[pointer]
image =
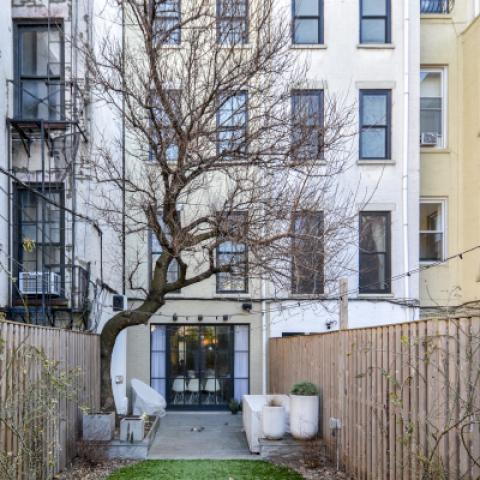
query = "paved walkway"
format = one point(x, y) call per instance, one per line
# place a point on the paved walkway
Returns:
point(189, 435)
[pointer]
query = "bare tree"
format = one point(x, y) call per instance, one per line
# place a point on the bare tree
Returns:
point(198, 173)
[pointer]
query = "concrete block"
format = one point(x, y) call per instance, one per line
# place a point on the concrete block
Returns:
point(132, 429)
point(98, 426)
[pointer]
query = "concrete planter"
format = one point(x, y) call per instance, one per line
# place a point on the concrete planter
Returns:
point(132, 429)
point(98, 427)
point(304, 416)
point(273, 422)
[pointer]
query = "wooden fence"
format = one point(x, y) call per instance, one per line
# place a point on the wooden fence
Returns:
point(34, 363)
point(408, 396)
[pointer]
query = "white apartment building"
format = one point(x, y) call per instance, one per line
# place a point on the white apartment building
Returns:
point(367, 52)
point(54, 248)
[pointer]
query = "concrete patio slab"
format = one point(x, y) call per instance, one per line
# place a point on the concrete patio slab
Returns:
point(200, 435)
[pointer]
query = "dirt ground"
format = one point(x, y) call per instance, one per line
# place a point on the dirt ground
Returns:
point(313, 465)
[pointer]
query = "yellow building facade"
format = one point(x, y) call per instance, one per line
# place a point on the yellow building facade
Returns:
point(450, 151)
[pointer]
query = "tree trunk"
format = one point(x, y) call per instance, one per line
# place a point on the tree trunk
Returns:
point(109, 334)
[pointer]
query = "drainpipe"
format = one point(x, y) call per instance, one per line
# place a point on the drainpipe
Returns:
point(406, 122)
point(265, 338)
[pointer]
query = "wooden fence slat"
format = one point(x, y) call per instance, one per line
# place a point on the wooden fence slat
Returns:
point(70, 349)
point(404, 384)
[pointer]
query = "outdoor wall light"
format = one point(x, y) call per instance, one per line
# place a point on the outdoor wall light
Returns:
point(200, 318)
point(225, 318)
point(175, 317)
point(247, 307)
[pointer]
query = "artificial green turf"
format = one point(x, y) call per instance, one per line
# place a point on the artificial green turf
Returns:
point(204, 470)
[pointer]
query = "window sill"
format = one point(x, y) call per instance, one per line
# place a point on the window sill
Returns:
point(435, 150)
point(376, 162)
point(437, 263)
point(235, 296)
point(308, 46)
point(376, 46)
point(375, 296)
point(306, 296)
point(436, 16)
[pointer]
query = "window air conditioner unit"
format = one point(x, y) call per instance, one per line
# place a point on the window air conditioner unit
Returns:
point(119, 303)
point(36, 283)
point(428, 139)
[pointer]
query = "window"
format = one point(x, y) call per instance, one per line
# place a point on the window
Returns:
point(232, 22)
point(40, 238)
point(308, 253)
point(233, 252)
point(167, 22)
point(164, 135)
point(308, 123)
point(432, 228)
point(375, 21)
point(232, 126)
point(173, 271)
point(39, 71)
point(432, 108)
point(374, 261)
point(375, 124)
point(435, 6)
point(308, 22)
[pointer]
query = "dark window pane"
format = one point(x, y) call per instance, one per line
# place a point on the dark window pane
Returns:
point(233, 252)
point(167, 22)
point(308, 253)
point(431, 216)
point(374, 261)
point(373, 143)
point(435, 6)
point(374, 7)
point(306, 31)
point(374, 124)
point(431, 247)
point(374, 110)
point(307, 8)
point(232, 21)
point(373, 30)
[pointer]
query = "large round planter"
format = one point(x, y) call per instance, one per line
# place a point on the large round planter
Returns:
point(273, 422)
point(303, 416)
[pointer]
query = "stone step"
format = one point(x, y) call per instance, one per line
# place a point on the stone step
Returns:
point(287, 445)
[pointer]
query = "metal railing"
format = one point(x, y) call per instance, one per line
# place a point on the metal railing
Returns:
point(436, 6)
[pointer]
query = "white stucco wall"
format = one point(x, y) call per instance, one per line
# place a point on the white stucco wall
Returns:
point(342, 67)
point(6, 73)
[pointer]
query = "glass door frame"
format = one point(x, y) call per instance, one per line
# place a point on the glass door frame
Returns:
point(168, 364)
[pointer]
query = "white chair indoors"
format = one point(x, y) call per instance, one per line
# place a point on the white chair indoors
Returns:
point(178, 388)
point(212, 387)
point(193, 388)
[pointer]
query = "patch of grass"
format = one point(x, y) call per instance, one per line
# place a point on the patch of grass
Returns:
point(204, 470)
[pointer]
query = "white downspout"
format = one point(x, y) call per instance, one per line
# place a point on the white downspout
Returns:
point(265, 338)
point(406, 124)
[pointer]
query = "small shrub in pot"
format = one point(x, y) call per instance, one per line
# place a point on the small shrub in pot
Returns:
point(304, 404)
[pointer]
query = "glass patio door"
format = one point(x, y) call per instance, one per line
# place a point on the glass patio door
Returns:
point(200, 366)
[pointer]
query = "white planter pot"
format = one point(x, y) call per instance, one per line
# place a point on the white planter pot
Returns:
point(303, 416)
point(273, 422)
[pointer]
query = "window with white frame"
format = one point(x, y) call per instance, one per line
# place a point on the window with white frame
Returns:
point(432, 107)
point(432, 230)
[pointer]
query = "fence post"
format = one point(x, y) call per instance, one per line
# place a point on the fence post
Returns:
point(342, 371)
point(343, 287)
